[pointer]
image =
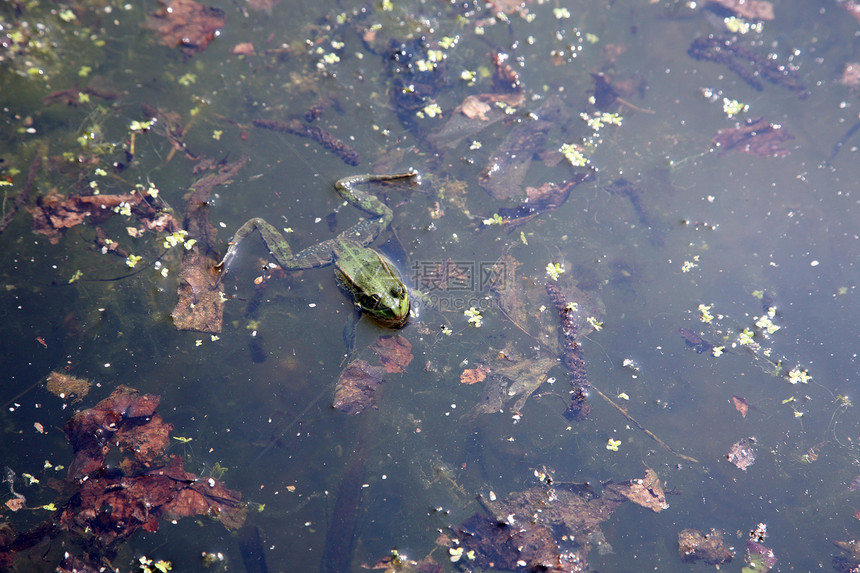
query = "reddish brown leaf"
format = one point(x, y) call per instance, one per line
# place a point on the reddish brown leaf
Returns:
point(113, 508)
point(474, 375)
point(15, 504)
point(741, 405)
point(53, 213)
point(243, 49)
point(201, 302)
point(186, 24)
point(394, 351)
point(124, 419)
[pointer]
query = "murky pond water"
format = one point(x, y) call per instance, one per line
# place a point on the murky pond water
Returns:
point(707, 290)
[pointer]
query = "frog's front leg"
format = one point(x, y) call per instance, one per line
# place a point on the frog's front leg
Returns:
point(274, 240)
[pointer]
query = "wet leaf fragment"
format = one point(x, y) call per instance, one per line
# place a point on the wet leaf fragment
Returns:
point(756, 136)
point(742, 453)
point(201, 295)
point(328, 141)
point(474, 375)
point(357, 386)
point(647, 492)
point(741, 405)
point(394, 352)
point(63, 386)
point(186, 24)
point(693, 545)
point(547, 197)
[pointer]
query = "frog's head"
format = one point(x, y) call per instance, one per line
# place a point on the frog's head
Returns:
point(374, 284)
point(390, 307)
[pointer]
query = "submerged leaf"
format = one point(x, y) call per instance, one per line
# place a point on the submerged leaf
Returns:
point(356, 387)
point(742, 453)
point(741, 405)
point(395, 352)
point(186, 24)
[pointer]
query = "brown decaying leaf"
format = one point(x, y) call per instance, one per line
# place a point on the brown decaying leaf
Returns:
point(547, 528)
point(547, 197)
point(394, 352)
point(756, 137)
point(647, 492)
point(114, 502)
point(201, 302)
point(754, 9)
point(741, 405)
point(53, 213)
point(185, 24)
point(15, 504)
point(125, 419)
point(112, 508)
point(474, 375)
point(356, 387)
point(63, 386)
point(693, 545)
point(742, 453)
point(200, 307)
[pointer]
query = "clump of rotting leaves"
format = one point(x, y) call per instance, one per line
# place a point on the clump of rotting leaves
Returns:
point(108, 502)
point(550, 527)
point(693, 545)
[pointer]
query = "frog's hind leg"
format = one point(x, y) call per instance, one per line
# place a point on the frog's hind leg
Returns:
point(273, 239)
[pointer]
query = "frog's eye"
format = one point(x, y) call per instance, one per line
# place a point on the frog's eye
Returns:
point(397, 291)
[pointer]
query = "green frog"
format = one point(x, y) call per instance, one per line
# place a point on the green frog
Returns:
point(367, 276)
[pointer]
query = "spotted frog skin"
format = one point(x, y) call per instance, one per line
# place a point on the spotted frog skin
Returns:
point(367, 276)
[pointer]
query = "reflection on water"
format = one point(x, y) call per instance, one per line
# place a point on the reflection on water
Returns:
point(707, 290)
